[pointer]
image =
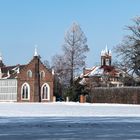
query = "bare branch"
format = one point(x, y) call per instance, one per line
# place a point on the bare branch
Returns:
point(129, 50)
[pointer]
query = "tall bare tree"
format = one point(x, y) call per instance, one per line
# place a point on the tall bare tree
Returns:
point(74, 49)
point(73, 58)
point(129, 50)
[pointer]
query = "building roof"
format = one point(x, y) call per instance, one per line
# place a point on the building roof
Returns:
point(101, 70)
point(10, 72)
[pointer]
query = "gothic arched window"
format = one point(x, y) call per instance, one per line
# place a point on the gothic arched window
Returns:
point(25, 91)
point(45, 92)
point(29, 74)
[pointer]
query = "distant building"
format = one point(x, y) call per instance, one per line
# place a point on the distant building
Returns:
point(32, 82)
point(104, 74)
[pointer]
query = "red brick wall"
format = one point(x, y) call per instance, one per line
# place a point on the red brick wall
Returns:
point(35, 82)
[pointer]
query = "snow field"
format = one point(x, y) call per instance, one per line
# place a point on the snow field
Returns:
point(68, 109)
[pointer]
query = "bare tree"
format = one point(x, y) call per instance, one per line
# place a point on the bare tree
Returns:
point(129, 50)
point(59, 66)
point(74, 49)
point(72, 59)
point(47, 64)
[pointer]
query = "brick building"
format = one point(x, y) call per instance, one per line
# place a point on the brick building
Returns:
point(105, 74)
point(32, 82)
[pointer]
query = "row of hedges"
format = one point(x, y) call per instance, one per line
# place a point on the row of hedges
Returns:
point(123, 95)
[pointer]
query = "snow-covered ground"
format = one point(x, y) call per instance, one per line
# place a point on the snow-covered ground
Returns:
point(67, 109)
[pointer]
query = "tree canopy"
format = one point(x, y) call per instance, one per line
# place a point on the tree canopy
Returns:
point(129, 50)
point(73, 58)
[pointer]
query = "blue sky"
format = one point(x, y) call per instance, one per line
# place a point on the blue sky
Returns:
point(25, 23)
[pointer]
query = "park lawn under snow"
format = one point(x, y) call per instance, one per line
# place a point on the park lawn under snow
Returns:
point(67, 109)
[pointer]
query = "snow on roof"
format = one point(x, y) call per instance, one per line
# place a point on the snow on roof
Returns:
point(10, 72)
point(81, 75)
point(96, 71)
point(83, 81)
point(87, 68)
point(100, 70)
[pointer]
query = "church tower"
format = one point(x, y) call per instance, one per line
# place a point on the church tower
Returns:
point(106, 57)
point(1, 62)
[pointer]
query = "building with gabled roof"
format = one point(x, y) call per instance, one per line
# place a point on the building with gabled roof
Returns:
point(105, 74)
point(32, 82)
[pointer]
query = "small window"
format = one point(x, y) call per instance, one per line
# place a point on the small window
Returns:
point(29, 74)
point(25, 91)
point(42, 74)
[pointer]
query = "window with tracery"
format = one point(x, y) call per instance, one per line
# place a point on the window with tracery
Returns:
point(45, 92)
point(29, 74)
point(25, 91)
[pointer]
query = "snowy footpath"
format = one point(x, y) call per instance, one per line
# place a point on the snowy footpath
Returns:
point(68, 109)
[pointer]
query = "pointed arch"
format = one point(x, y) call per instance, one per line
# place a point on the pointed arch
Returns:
point(29, 74)
point(45, 92)
point(25, 91)
point(42, 74)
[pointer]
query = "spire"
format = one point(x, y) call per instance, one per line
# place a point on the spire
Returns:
point(35, 53)
point(0, 73)
point(102, 53)
point(110, 53)
point(0, 56)
point(1, 62)
point(106, 49)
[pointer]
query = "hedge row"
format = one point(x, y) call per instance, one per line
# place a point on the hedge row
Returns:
point(123, 95)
